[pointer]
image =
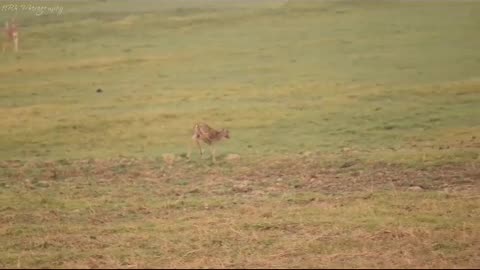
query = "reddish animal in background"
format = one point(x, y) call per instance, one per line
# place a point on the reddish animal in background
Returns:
point(12, 36)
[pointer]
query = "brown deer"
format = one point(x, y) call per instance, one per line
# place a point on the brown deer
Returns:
point(11, 32)
point(204, 133)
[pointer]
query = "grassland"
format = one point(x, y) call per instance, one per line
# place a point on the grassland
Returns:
point(357, 124)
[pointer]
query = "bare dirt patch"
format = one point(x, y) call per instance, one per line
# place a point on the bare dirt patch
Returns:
point(300, 173)
point(289, 212)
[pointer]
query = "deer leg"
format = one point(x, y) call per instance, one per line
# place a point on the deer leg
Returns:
point(213, 153)
point(190, 145)
point(15, 44)
point(200, 147)
point(194, 140)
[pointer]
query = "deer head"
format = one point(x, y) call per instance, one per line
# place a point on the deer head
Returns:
point(225, 133)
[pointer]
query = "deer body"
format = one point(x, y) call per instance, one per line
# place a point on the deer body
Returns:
point(208, 135)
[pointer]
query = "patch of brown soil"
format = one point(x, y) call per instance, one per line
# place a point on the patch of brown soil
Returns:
point(302, 173)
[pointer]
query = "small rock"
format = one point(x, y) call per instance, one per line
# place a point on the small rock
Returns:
point(169, 158)
point(231, 157)
point(43, 184)
point(258, 193)
point(415, 188)
point(271, 189)
point(195, 190)
point(242, 188)
point(347, 164)
point(307, 153)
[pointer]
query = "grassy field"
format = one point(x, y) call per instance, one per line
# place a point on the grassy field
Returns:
point(356, 124)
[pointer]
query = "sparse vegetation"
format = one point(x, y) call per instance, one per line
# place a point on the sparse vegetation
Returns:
point(354, 135)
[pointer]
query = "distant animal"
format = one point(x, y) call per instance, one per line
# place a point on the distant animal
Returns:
point(11, 32)
point(208, 135)
point(99, 90)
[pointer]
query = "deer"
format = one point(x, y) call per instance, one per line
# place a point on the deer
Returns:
point(11, 32)
point(208, 135)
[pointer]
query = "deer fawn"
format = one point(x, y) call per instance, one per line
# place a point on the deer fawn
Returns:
point(11, 32)
point(204, 133)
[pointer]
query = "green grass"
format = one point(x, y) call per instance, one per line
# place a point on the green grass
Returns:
point(283, 77)
point(335, 108)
